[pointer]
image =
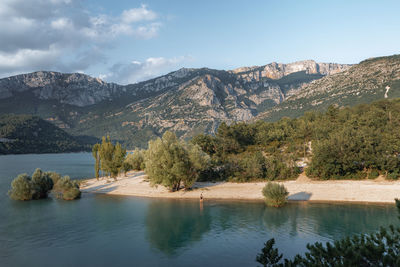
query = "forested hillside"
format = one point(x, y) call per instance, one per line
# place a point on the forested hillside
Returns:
point(358, 142)
point(30, 134)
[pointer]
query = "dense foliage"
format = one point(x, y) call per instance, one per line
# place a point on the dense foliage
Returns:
point(135, 160)
point(358, 142)
point(171, 162)
point(275, 194)
point(377, 249)
point(25, 187)
point(109, 158)
point(30, 134)
point(67, 189)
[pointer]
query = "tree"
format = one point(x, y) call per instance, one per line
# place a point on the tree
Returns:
point(171, 162)
point(118, 158)
point(111, 157)
point(136, 160)
point(96, 155)
point(269, 255)
point(106, 154)
point(207, 143)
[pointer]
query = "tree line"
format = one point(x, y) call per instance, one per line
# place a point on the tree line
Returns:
point(356, 143)
point(168, 161)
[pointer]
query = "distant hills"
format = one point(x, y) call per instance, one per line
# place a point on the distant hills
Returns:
point(192, 101)
point(30, 134)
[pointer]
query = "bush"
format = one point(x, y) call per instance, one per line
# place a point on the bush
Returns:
point(247, 166)
point(279, 168)
point(22, 188)
point(275, 194)
point(39, 185)
point(54, 176)
point(393, 175)
point(71, 194)
point(25, 187)
point(43, 183)
point(373, 174)
point(67, 189)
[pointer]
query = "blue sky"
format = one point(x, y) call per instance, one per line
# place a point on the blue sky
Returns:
point(129, 41)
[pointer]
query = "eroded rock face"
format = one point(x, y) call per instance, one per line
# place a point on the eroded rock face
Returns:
point(278, 70)
point(75, 89)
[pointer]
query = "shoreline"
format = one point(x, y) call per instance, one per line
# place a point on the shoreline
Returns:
point(378, 191)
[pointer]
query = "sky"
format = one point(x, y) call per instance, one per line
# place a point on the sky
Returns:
point(126, 41)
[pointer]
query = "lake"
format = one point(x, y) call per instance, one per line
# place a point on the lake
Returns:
point(100, 230)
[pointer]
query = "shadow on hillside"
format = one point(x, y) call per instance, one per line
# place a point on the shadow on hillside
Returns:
point(300, 196)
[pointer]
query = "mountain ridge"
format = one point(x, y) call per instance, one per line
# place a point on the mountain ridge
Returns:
point(187, 101)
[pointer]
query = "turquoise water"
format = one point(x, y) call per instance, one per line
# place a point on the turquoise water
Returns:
point(102, 230)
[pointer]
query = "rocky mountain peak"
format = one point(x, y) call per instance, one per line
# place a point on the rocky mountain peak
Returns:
point(75, 88)
point(278, 70)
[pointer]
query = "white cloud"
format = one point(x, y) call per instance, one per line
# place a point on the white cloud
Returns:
point(136, 71)
point(38, 34)
point(25, 59)
point(138, 14)
point(61, 24)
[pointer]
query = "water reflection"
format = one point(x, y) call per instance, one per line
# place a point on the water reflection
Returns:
point(333, 221)
point(175, 224)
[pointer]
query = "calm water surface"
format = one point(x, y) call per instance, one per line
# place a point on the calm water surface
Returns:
point(127, 231)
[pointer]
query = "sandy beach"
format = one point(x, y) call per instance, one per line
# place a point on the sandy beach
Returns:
point(302, 189)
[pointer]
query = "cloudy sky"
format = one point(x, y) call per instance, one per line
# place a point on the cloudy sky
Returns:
point(127, 41)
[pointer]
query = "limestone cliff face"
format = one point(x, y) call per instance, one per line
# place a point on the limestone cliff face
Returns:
point(370, 80)
point(278, 70)
point(74, 89)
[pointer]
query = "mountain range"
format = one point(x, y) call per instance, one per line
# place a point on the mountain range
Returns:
point(192, 101)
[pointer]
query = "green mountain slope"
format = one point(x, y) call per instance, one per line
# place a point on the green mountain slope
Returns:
point(31, 134)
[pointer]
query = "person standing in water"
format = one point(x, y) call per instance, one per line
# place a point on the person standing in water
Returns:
point(201, 197)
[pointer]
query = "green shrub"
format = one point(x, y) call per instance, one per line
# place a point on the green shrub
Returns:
point(275, 194)
point(247, 166)
point(67, 189)
point(22, 188)
point(25, 187)
point(126, 167)
point(373, 174)
point(71, 194)
point(135, 160)
point(40, 184)
point(54, 176)
point(43, 183)
point(393, 175)
point(279, 168)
